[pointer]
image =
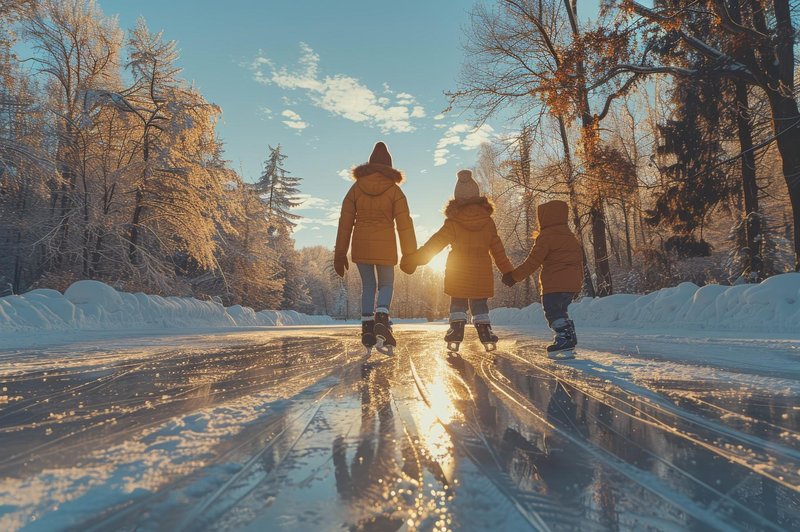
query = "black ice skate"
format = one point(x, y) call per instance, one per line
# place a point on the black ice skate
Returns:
point(455, 335)
point(487, 337)
point(368, 335)
point(563, 346)
point(384, 340)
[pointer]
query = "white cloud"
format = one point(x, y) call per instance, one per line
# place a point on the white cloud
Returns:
point(404, 98)
point(317, 212)
point(423, 171)
point(340, 94)
point(440, 116)
point(307, 202)
point(265, 111)
point(463, 135)
point(345, 174)
point(293, 120)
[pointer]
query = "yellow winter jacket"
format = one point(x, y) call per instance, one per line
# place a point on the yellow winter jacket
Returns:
point(556, 250)
point(472, 235)
point(369, 213)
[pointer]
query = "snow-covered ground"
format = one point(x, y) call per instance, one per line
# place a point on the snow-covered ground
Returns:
point(92, 305)
point(91, 311)
point(753, 328)
point(772, 306)
point(43, 316)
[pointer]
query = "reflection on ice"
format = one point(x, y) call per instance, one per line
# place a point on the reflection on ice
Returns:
point(301, 434)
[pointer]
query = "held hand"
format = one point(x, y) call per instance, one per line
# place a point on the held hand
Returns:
point(408, 265)
point(508, 279)
point(341, 265)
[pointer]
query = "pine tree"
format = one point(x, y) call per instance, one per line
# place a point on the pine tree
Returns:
point(690, 142)
point(279, 191)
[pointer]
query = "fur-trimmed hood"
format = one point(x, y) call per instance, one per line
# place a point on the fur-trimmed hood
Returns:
point(375, 179)
point(472, 213)
point(373, 168)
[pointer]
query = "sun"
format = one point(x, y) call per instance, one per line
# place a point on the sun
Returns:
point(438, 263)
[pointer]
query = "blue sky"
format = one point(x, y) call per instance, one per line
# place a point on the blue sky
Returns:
point(327, 79)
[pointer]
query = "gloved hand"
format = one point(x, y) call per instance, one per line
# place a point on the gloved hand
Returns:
point(341, 265)
point(508, 279)
point(408, 264)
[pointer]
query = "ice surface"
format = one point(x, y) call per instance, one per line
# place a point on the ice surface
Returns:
point(291, 429)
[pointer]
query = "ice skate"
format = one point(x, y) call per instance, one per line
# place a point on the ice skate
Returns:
point(455, 335)
point(384, 340)
point(563, 346)
point(368, 335)
point(487, 337)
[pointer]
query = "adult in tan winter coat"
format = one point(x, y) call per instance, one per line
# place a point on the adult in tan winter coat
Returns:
point(472, 236)
point(374, 214)
point(558, 253)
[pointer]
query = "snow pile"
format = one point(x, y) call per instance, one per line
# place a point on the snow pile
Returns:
point(771, 306)
point(92, 305)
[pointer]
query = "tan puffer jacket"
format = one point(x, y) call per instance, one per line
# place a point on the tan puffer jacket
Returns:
point(556, 250)
point(369, 213)
point(472, 235)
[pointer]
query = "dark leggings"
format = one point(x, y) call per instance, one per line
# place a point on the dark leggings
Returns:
point(555, 308)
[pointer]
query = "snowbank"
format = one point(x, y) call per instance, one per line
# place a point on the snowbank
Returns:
point(771, 306)
point(92, 305)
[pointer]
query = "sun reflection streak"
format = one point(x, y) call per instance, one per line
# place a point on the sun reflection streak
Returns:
point(432, 417)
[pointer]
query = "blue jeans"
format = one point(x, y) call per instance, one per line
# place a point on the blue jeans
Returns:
point(478, 307)
point(383, 286)
point(555, 308)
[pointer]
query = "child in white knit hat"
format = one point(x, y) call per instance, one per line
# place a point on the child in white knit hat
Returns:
point(468, 279)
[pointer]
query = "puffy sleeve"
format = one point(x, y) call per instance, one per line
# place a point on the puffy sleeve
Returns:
point(534, 261)
point(404, 224)
point(498, 252)
point(435, 244)
point(347, 219)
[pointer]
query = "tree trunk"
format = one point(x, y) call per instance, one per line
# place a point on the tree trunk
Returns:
point(588, 285)
point(134, 235)
point(752, 218)
point(96, 254)
point(625, 216)
point(614, 246)
point(787, 138)
point(138, 204)
point(598, 222)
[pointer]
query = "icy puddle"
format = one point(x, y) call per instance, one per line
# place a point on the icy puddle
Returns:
point(297, 431)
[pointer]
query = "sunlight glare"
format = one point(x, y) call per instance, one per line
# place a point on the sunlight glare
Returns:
point(438, 263)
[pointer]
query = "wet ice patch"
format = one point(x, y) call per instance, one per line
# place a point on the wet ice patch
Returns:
point(59, 497)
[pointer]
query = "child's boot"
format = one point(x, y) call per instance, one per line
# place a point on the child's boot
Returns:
point(455, 334)
point(487, 337)
point(368, 334)
point(563, 346)
point(384, 340)
point(572, 331)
